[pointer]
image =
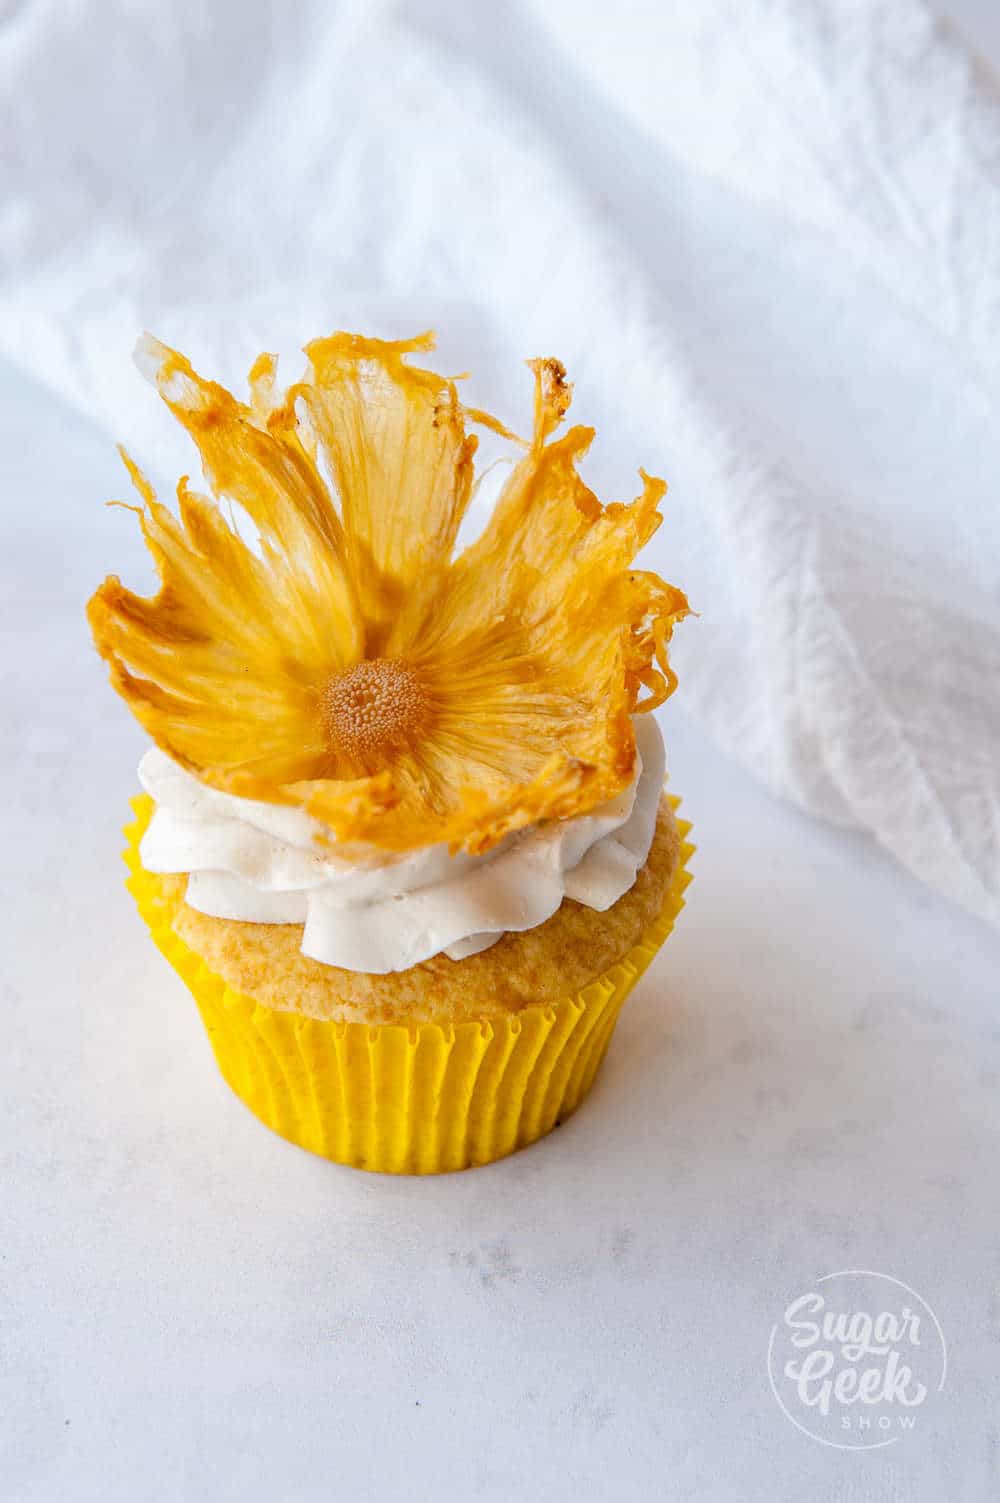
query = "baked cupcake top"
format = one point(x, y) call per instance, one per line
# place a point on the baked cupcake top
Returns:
point(328, 657)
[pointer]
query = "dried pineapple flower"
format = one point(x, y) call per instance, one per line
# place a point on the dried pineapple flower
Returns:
point(349, 665)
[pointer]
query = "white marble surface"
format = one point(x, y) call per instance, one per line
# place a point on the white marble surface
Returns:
point(195, 1310)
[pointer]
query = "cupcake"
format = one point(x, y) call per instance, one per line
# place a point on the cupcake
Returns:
point(403, 830)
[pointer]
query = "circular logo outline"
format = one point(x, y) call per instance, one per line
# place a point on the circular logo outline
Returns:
point(837, 1445)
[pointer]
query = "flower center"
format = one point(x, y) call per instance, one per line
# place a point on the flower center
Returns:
point(378, 703)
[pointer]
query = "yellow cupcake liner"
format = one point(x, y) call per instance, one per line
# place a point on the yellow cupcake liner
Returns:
point(418, 1099)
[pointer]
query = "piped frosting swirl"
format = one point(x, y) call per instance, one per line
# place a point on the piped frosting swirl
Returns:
point(260, 863)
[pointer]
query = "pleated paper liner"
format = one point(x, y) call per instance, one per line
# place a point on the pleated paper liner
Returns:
point(422, 1099)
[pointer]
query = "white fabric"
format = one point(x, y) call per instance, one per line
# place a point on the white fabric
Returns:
point(763, 234)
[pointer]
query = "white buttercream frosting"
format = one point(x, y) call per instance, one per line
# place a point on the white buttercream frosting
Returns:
point(261, 863)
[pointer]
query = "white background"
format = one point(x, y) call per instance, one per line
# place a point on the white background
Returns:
point(805, 1081)
point(195, 1310)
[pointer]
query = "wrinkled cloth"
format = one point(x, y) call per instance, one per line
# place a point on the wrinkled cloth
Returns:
point(764, 236)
